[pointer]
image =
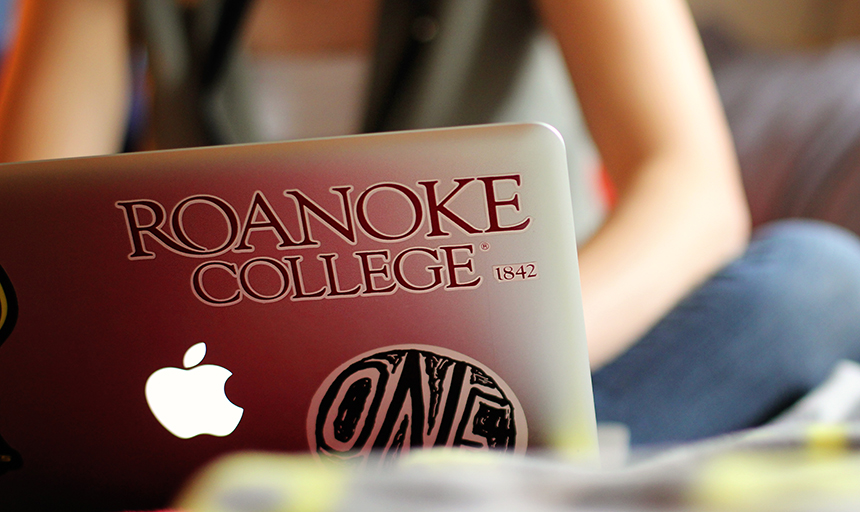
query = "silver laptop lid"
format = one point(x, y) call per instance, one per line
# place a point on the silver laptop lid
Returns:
point(377, 292)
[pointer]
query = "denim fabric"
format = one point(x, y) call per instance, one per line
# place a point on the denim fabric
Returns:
point(746, 344)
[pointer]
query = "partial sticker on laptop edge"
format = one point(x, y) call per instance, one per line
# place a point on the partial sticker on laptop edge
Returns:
point(8, 306)
point(389, 400)
point(9, 458)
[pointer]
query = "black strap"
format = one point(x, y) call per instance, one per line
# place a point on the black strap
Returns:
point(397, 49)
point(223, 41)
point(189, 52)
point(492, 35)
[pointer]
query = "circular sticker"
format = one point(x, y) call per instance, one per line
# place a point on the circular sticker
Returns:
point(8, 306)
point(390, 400)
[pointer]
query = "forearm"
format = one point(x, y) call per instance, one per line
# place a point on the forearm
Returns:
point(64, 90)
point(664, 239)
point(653, 111)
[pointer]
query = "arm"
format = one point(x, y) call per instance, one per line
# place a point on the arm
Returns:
point(653, 110)
point(64, 89)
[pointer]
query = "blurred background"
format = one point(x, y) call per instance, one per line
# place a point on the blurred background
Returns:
point(304, 29)
point(782, 24)
point(303, 68)
point(286, 38)
point(7, 17)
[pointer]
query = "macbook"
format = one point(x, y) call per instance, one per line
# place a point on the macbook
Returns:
point(345, 296)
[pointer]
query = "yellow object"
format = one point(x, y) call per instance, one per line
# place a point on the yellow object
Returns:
point(827, 438)
point(265, 482)
point(779, 481)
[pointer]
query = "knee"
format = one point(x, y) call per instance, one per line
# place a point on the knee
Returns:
point(808, 261)
point(808, 279)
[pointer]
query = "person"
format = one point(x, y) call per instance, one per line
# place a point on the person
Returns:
point(695, 327)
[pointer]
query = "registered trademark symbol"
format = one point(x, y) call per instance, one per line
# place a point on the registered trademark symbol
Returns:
point(485, 246)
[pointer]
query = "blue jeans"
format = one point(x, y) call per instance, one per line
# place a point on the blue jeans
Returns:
point(746, 344)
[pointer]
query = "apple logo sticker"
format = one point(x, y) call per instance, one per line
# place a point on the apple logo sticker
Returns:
point(192, 401)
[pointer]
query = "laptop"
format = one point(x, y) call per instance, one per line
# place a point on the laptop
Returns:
point(371, 294)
